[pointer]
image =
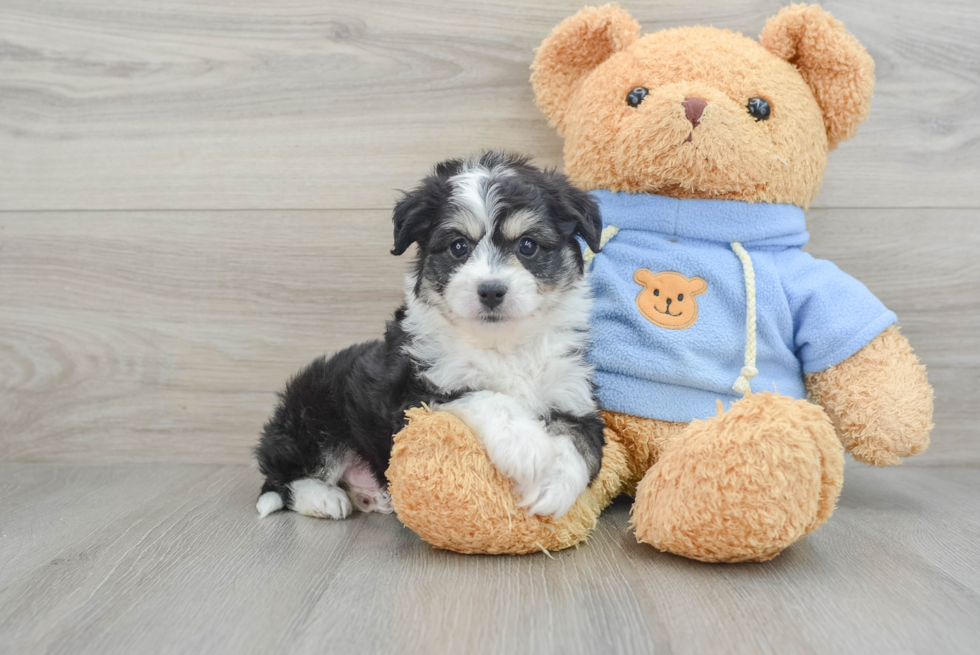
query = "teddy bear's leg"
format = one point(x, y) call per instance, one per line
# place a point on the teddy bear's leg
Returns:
point(878, 399)
point(644, 440)
point(444, 487)
point(743, 485)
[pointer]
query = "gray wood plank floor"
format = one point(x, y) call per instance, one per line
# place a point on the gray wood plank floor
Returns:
point(167, 558)
point(194, 201)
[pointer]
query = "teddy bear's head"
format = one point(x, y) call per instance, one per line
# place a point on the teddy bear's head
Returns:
point(669, 299)
point(699, 112)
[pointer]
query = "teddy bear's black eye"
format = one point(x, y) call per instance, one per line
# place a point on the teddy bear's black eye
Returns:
point(636, 96)
point(759, 108)
point(459, 248)
point(680, 297)
point(656, 292)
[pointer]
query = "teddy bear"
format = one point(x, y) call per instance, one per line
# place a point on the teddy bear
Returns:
point(733, 368)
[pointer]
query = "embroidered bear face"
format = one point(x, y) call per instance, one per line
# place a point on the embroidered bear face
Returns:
point(669, 299)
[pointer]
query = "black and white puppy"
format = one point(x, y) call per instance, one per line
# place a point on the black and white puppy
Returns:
point(493, 330)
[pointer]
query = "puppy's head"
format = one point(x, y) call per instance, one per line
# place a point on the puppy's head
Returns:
point(496, 238)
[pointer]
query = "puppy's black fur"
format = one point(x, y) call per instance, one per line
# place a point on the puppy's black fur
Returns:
point(356, 399)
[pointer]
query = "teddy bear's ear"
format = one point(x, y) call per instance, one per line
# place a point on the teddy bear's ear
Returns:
point(574, 48)
point(838, 68)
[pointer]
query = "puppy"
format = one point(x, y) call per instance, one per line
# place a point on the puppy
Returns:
point(493, 330)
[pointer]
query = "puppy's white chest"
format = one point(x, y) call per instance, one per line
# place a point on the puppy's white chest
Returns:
point(510, 373)
point(538, 377)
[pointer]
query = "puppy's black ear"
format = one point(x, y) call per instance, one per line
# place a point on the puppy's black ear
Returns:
point(577, 213)
point(411, 218)
point(419, 208)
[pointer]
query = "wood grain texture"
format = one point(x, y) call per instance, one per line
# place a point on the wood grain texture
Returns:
point(153, 104)
point(222, 175)
point(163, 336)
point(172, 558)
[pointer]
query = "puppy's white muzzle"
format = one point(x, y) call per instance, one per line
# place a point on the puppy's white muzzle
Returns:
point(492, 286)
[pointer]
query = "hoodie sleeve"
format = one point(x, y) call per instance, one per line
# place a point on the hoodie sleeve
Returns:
point(834, 315)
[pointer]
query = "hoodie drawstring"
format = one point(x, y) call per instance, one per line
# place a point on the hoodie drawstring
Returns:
point(608, 233)
point(748, 371)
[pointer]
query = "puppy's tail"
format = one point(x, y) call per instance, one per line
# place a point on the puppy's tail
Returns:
point(270, 500)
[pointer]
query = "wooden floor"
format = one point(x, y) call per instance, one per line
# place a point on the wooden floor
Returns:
point(172, 558)
point(195, 201)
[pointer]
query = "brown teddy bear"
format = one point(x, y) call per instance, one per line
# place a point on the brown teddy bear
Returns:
point(732, 375)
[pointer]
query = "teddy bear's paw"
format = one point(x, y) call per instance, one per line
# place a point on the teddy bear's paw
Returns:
point(444, 487)
point(885, 443)
point(878, 454)
point(516, 442)
point(744, 485)
point(879, 400)
point(558, 490)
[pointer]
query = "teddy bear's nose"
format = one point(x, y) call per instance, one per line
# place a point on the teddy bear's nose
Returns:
point(693, 108)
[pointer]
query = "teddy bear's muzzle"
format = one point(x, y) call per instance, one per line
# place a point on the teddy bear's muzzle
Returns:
point(693, 108)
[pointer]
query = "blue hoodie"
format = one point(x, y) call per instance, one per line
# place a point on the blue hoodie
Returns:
point(809, 314)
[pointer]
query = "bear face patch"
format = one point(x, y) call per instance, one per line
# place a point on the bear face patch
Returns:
point(668, 299)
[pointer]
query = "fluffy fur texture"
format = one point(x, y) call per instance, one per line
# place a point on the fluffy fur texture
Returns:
point(879, 400)
point(446, 490)
point(746, 484)
point(743, 485)
point(837, 68)
point(493, 330)
point(331, 431)
point(816, 77)
point(644, 440)
point(704, 498)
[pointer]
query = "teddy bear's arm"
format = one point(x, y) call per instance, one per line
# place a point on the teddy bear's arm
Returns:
point(878, 399)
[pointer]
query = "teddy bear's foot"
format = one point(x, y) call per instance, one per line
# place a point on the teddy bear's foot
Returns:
point(445, 489)
point(744, 485)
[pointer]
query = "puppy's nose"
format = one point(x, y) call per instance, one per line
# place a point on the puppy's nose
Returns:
point(693, 108)
point(491, 294)
point(668, 302)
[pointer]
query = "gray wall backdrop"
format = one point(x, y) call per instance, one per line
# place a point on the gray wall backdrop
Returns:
point(194, 197)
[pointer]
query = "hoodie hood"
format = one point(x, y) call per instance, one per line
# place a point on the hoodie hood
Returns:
point(759, 225)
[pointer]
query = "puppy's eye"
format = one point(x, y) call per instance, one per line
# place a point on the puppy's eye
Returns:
point(680, 297)
point(459, 248)
point(759, 108)
point(636, 96)
point(527, 247)
point(656, 292)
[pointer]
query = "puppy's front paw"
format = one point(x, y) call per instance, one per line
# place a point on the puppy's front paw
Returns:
point(522, 451)
point(561, 486)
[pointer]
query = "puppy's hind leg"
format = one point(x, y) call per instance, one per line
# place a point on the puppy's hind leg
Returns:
point(303, 480)
point(269, 501)
point(363, 489)
point(314, 497)
point(308, 496)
